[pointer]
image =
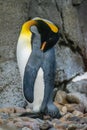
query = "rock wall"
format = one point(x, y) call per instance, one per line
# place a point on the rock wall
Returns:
point(71, 50)
point(12, 15)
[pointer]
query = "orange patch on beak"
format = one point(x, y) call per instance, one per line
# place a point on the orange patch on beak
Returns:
point(43, 45)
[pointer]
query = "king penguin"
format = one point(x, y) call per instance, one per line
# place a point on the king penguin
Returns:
point(36, 62)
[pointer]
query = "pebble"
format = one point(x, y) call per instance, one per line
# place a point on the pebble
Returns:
point(71, 107)
point(52, 128)
point(1, 121)
point(77, 113)
point(10, 110)
point(45, 126)
point(73, 117)
point(61, 97)
point(64, 109)
point(26, 128)
point(72, 127)
point(31, 125)
point(10, 124)
point(72, 98)
point(66, 117)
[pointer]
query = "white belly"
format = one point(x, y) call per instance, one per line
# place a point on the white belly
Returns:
point(23, 54)
point(38, 91)
point(22, 60)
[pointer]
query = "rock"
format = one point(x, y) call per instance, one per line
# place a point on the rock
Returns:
point(58, 124)
point(82, 99)
point(25, 119)
point(71, 24)
point(1, 121)
point(74, 119)
point(11, 92)
point(11, 125)
point(55, 121)
point(19, 110)
point(76, 2)
point(26, 128)
point(4, 115)
point(83, 120)
point(85, 128)
point(1, 129)
point(11, 110)
point(52, 129)
point(45, 126)
point(17, 119)
point(72, 127)
point(10, 24)
point(20, 124)
point(64, 109)
point(71, 107)
point(80, 77)
point(72, 99)
point(83, 20)
point(66, 117)
point(48, 8)
point(60, 97)
point(74, 63)
point(33, 125)
point(80, 107)
point(77, 113)
point(79, 86)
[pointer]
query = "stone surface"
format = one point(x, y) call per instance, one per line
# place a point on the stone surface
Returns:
point(26, 128)
point(82, 12)
point(82, 98)
point(60, 97)
point(10, 120)
point(80, 77)
point(77, 2)
point(72, 98)
point(71, 23)
point(10, 87)
point(68, 64)
point(12, 15)
point(79, 86)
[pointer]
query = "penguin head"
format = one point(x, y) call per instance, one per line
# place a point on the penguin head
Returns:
point(49, 34)
point(48, 31)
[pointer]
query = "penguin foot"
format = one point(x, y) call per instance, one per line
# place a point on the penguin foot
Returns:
point(43, 108)
point(53, 111)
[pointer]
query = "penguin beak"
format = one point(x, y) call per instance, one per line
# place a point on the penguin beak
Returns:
point(43, 46)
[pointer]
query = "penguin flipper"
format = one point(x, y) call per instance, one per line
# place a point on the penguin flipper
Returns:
point(28, 83)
